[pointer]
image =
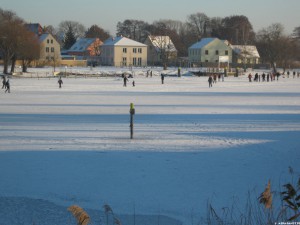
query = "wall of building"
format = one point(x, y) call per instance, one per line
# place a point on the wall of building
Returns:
point(132, 55)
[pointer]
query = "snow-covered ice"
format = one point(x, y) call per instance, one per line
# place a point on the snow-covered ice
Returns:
point(192, 144)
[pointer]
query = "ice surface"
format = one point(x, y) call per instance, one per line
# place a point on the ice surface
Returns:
point(192, 144)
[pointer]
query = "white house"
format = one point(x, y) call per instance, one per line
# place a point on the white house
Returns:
point(246, 54)
point(122, 51)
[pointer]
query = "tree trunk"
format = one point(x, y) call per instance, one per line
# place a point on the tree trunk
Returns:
point(13, 65)
point(24, 66)
point(5, 66)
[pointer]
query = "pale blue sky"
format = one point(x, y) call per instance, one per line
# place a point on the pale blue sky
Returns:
point(107, 14)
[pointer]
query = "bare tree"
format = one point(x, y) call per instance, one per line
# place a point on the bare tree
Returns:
point(11, 28)
point(237, 30)
point(29, 49)
point(173, 25)
point(133, 29)
point(199, 24)
point(216, 27)
point(274, 47)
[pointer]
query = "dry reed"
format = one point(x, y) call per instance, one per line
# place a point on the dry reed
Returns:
point(266, 197)
point(81, 216)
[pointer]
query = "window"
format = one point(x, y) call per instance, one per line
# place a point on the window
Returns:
point(52, 49)
point(51, 41)
point(217, 52)
point(47, 49)
point(124, 50)
point(124, 61)
point(140, 50)
point(206, 52)
point(139, 61)
point(206, 60)
point(48, 41)
point(134, 61)
point(134, 50)
point(226, 52)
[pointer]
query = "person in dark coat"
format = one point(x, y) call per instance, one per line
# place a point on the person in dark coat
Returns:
point(7, 85)
point(210, 81)
point(125, 79)
point(3, 82)
point(60, 82)
point(263, 77)
point(162, 78)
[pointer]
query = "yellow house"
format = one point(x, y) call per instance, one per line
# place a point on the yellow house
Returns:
point(49, 49)
point(122, 51)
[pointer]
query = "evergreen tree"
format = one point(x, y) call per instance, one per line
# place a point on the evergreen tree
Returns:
point(69, 39)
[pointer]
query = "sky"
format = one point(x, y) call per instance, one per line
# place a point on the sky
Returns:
point(106, 14)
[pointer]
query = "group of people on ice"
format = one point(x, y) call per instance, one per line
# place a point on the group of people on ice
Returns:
point(262, 77)
point(5, 84)
point(213, 79)
point(270, 76)
point(125, 80)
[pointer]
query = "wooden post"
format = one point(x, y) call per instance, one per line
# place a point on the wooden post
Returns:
point(132, 112)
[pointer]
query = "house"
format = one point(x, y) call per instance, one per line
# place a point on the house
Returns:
point(245, 54)
point(49, 46)
point(86, 47)
point(35, 28)
point(49, 49)
point(122, 51)
point(210, 50)
point(160, 50)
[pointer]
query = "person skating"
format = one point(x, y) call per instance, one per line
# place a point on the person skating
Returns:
point(125, 79)
point(3, 82)
point(60, 82)
point(7, 85)
point(210, 81)
point(162, 78)
point(250, 77)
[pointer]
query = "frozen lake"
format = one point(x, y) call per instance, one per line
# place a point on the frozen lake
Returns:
point(192, 144)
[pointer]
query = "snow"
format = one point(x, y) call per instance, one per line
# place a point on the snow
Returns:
point(192, 144)
point(122, 41)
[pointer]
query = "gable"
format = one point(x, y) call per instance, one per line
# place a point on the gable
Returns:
point(123, 41)
point(46, 36)
point(200, 44)
point(206, 42)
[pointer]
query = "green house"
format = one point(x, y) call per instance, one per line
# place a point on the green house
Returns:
point(210, 50)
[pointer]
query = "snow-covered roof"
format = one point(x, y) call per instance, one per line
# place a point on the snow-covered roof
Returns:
point(122, 41)
point(162, 42)
point(246, 50)
point(44, 37)
point(205, 41)
point(82, 44)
